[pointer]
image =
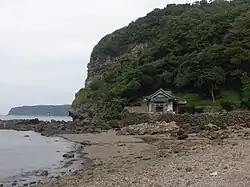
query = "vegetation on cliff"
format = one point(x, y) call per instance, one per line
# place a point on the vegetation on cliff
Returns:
point(199, 51)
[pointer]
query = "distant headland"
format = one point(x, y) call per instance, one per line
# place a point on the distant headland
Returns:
point(40, 110)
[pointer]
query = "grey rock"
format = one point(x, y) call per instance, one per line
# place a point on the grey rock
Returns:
point(86, 142)
point(42, 173)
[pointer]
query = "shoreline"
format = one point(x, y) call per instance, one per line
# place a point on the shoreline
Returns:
point(67, 166)
point(159, 152)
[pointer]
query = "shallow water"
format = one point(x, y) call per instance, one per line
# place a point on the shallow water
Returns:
point(19, 154)
point(42, 118)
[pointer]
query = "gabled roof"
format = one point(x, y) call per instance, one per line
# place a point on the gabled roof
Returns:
point(168, 94)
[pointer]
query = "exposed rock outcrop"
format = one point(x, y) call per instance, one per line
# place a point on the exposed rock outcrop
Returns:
point(217, 125)
point(150, 128)
point(55, 127)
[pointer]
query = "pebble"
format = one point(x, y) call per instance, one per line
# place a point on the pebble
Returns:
point(146, 158)
point(188, 169)
point(214, 173)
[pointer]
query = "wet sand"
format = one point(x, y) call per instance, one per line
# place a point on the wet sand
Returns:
point(154, 161)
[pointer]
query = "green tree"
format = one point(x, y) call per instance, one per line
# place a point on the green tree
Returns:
point(245, 91)
point(211, 79)
point(202, 49)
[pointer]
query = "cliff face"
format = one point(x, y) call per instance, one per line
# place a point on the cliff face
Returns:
point(101, 65)
point(199, 51)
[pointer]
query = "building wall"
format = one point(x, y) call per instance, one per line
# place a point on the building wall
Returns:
point(150, 108)
point(166, 107)
point(170, 106)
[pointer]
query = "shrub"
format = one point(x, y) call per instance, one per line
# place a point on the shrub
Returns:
point(227, 105)
point(187, 109)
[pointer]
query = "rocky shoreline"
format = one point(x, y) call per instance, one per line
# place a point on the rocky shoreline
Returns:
point(49, 128)
point(70, 162)
point(126, 147)
point(162, 160)
point(190, 123)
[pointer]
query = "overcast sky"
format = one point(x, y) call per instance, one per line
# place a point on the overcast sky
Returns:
point(45, 45)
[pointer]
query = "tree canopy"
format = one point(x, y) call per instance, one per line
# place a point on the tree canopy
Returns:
point(201, 48)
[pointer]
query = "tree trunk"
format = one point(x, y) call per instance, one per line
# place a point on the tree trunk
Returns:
point(212, 93)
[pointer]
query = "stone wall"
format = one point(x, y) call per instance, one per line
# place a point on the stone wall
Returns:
point(191, 122)
point(137, 109)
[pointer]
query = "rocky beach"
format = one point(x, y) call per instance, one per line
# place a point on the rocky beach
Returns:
point(154, 150)
point(158, 160)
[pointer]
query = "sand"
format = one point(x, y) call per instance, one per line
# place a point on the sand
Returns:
point(157, 161)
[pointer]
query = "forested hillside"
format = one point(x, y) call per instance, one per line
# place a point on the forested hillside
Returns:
point(41, 110)
point(201, 52)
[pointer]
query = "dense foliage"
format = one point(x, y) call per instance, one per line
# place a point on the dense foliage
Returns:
point(199, 51)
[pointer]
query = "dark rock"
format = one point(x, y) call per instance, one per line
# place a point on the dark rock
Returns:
point(194, 129)
point(26, 136)
point(213, 135)
point(34, 121)
point(246, 134)
point(178, 168)
point(188, 169)
point(225, 135)
point(114, 124)
point(178, 149)
point(146, 158)
point(67, 164)
point(235, 144)
point(69, 155)
point(32, 183)
point(182, 137)
point(188, 183)
point(180, 132)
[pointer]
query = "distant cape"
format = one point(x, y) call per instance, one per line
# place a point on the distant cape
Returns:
point(41, 110)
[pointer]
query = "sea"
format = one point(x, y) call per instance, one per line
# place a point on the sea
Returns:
point(23, 154)
point(42, 118)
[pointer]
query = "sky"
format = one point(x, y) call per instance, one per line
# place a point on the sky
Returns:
point(45, 45)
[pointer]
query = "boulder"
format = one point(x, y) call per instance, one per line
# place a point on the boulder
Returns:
point(42, 173)
point(69, 155)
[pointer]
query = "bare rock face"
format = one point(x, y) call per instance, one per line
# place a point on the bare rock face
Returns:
point(101, 64)
point(81, 112)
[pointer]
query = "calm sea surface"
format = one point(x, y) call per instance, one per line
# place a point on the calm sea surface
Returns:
point(42, 118)
point(20, 155)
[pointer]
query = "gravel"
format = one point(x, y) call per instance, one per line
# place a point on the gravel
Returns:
point(202, 163)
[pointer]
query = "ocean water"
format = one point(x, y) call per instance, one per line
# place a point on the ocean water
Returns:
point(20, 156)
point(42, 118)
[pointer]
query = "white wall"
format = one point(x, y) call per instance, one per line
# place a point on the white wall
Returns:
point(170, 106)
